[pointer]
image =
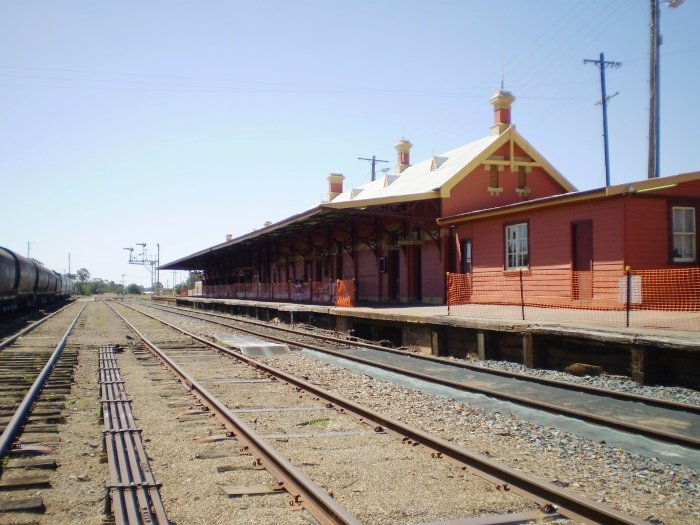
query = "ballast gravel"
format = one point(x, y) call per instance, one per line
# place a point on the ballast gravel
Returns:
point(652, 489)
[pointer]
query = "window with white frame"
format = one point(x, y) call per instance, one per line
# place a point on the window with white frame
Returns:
point(517, 255)
point(684, 243)
point(467, 256)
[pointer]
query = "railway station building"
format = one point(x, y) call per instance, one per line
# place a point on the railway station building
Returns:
point(490, 222)
point(381, 242)
point(578, 250)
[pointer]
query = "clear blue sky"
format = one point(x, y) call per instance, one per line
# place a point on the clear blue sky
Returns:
point(177, 122)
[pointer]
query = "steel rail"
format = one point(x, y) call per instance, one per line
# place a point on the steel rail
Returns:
point(302, 489)
point(18, 419)
point(661, 435)
point(134, 493)
point(547, 495)
point(593, 390)
point(7, 342)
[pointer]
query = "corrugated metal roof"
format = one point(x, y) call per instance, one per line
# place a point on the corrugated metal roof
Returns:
point(419, 179)
point(431, 178)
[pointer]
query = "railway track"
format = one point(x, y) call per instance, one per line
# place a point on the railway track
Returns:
point(36, 374)
point(667, 421)
point(12, 325)
point(246, 394)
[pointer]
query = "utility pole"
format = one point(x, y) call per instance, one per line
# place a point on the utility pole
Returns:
point(654, 36)
point(29, 245)
point(158, 265)
point(373, 161)
point(654, 120)
point(602, 64)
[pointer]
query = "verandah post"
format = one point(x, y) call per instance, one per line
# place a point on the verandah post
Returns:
point(629, 293)
point(522, 295)
point(447, 291)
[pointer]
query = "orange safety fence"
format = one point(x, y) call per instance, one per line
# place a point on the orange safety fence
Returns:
point(662, 298)
point(345, 293)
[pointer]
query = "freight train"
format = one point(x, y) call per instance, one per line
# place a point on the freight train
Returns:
point(25, 283)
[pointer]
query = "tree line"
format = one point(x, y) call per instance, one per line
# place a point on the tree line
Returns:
point(85, 284)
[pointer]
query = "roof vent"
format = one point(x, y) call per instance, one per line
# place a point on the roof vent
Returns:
point(437, 162)
point(388, 179)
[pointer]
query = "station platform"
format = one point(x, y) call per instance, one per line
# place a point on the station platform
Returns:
point(649, 356)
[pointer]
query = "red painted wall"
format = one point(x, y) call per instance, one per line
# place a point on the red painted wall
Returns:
point(631, 230)
point(433, 273)
point(549, 278)
point(647, 236)
point(471, 193)
point(550, 235)
point(367, 272)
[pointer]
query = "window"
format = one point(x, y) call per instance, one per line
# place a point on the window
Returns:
point(522, 177)
point(467, 257)
point(493, 177)
point(517, 246)
point(684, 234)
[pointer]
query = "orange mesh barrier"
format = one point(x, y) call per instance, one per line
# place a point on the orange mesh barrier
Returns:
point(345, 293)
point(665, 298)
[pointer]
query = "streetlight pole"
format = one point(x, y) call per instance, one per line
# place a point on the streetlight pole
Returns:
point(654, 120)
point(653, 170)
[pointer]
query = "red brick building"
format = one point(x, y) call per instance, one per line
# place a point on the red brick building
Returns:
point(385, 234)
point(573, 249)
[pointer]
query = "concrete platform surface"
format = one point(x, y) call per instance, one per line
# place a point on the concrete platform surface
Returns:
point(504, 319)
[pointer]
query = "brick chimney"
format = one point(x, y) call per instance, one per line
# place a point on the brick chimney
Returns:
point(403, 156)
point(501, 101)
point(335, 185)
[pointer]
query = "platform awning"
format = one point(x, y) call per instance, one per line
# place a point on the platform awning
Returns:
point(307, 221)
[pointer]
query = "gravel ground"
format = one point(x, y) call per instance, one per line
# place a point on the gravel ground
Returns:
point(78, 485)
point(609, 382)
point(648, 488)
point(375, 476)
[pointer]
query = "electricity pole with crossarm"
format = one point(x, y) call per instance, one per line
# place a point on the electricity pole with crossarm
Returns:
point(602, 65)
point(374, 161)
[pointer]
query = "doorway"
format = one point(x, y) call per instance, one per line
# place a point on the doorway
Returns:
point(393, 274)
point(582, 259)
point(415, 291)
